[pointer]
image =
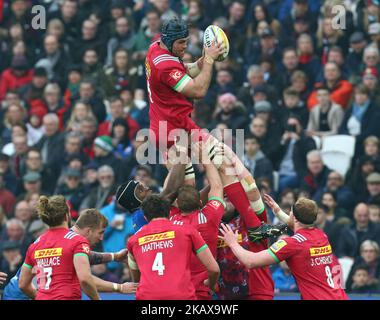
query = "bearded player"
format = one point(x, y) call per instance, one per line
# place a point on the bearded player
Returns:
point(308, 253)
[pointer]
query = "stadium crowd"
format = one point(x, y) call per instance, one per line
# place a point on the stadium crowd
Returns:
point(73, 97)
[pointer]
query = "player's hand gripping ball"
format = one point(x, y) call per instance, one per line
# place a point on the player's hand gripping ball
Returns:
point(214, 33)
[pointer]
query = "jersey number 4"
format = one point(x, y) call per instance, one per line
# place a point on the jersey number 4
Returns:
point(158, 264)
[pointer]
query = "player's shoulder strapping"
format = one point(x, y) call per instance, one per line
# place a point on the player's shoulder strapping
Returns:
point(299, 237)
point(70, 235)
point(164, 58)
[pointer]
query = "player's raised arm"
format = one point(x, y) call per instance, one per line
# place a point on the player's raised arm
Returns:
point(281, 215)
point(197, 88)
point(25, 281)
point(83, 271)
point(248, 258)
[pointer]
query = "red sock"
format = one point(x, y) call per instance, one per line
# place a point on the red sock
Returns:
point(239, 199)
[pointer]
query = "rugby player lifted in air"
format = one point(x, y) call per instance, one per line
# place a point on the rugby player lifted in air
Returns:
point(308, 253)
point(171, 86)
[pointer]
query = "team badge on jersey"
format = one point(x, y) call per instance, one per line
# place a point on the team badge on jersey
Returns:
point(215, 204)
point(86, 248)
point(277, 246)
point(176, 74)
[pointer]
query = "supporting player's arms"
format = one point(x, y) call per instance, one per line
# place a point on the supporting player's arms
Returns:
point(105, 257)
point(134, 268)
point(25, 282)
point(83, 271)
point(197, 88)
point(248, 258)
point(3, 277)
point(207, 259)
point(107, 286)
point(281, 215)
point(174, 182)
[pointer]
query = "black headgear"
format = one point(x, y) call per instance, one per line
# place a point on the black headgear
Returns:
point(173, 30)
point(126, 196)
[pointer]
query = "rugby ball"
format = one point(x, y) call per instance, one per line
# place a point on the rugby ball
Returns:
point(214, 33)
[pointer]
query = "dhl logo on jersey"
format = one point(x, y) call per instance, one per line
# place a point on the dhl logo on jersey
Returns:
point(46, 253)
point(222, 244)
point(157, 237)
point(321, 251)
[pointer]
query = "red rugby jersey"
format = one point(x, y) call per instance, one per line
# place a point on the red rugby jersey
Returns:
point(52, 254)
point(207, 222)
point(163, 251)
point(316, 270)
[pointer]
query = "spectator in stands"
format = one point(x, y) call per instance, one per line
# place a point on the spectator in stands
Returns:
point(259, 13)
point(326, 117)
point(255, 160)
point(73, 190)
point(369, 257)
point(371, 149)
point(299, 81)
point(18, 159)
point(354, 235)
point(370, 80)
point(15, 232)
point(361, 119)
point(103, 151)
point(255, 77)
point(361, 282)
point(229, 111)
point(335, 184)
point(12, 258)
point(355, 54)
point(7, 199)
point(53, 102)
point(51, 143)
point(88, 93)
point(122, 146)
point(316, 179)
point(121, 75)
point(79, 111)
point(54, 59)
point(88, 129)
point(147, 35)
point(124, 38)
point(373, 188)
point(374, 213)
point(291, 163)
point(308, 60)
point(32, 93)
point(15, 114)
point(290, 63)
point(224, 83)
point(103, 194)
point(18, 75)
point(332, 227)
point(9, 179)
point(34, 163)
point(371, 58)
point(92, 69)
point(334, 211)
point(340, 89)
point(293, 105)
point(118, 231)
point(24, 213)
point(89, 38)
point(363, 168)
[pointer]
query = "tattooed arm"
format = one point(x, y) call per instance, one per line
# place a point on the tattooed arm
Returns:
point(105, 257)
